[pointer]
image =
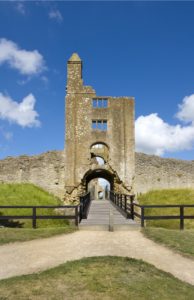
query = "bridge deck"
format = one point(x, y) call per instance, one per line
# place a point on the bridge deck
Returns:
point(104, 215)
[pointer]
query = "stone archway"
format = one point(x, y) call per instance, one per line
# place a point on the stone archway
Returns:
point(98, 173)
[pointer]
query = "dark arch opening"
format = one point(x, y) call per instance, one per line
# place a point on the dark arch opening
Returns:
point(99, 173)
point(98, 180)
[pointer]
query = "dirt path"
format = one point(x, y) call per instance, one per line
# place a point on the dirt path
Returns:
point(38, 255)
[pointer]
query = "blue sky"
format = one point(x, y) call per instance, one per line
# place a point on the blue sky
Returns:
point(140, 49)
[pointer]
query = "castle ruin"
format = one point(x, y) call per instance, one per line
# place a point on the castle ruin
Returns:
point(97, 127)
point(99, 143)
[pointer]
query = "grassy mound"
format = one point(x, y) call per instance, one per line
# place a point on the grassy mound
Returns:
point(171, 196)
point(28, 194)
point(98, 278)
point(178, 240)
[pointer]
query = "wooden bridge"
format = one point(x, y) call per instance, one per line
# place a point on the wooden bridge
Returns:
point(106, 215)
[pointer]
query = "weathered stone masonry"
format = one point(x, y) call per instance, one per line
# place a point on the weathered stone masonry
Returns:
point(45, 170)
point(117, 136)
point(153, 172)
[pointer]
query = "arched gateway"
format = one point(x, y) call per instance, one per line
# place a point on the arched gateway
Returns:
point(99, 136)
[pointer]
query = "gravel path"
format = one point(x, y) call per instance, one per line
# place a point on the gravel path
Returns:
point(38, 255)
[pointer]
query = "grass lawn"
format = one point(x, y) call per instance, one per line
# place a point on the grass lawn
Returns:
point(28, 194)
point(98, 278)
point(181, 241)
point(171, 196)
point(11, 235)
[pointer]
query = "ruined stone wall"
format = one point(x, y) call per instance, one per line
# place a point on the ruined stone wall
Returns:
point(153, 172)
point(46, 170)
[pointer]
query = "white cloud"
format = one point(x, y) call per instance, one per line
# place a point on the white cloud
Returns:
point(154, 136)
point(26, 62)
point(186, 109)
point(56, 15)
point(22, 113)
point(20, 8)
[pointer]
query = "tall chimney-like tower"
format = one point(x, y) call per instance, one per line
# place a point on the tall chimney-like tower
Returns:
point(74, 74)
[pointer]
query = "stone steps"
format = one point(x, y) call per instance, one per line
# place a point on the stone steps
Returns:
point(103, 215)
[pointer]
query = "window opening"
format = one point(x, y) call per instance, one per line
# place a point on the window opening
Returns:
point(99, 152)
point(99, 125)
point(100, 103)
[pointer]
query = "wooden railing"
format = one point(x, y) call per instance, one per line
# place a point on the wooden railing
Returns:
point(84, 206)
point(34, 216)
point(181, 216)
point(127, 205)
point(124, 203)
point(80, 211)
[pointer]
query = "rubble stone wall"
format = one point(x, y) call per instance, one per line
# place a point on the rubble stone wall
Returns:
point(153, 172)
point(48, 170)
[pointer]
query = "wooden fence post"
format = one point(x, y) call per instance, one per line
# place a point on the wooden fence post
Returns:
point(120, 200)
point(125, 203)
point(142, 216)
point(181, 217)
point(34, 217)
point(132, 207)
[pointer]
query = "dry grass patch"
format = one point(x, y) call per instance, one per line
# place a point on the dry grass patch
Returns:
point(98, 278)
point(11, 235)
point(181, 241)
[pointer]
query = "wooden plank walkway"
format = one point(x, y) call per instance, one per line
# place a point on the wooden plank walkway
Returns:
point(103, 215)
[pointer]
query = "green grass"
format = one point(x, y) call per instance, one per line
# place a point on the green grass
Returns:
point(171, 196)
point(181, 241)
point(98, 278)
point(11, 235)
point(28, 194)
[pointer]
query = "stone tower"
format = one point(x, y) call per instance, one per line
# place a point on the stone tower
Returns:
point(99, 139)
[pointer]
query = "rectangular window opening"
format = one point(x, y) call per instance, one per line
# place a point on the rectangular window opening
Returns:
point(100, 103)
point(99, 125)
point(104, 125)
point(94, 125)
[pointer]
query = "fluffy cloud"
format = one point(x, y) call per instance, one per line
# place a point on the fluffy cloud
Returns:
point(186, 109)
point(56, 15)
point(26, 62)
point(22, 113)
point(154, 136)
